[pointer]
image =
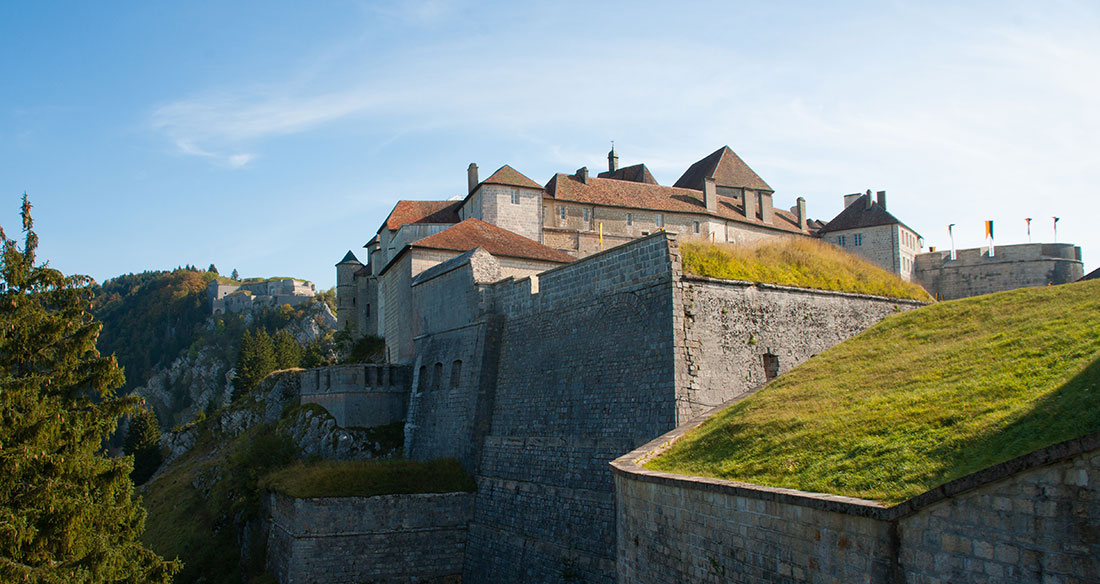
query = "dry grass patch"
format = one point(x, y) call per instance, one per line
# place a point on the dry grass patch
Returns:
point(801, 262)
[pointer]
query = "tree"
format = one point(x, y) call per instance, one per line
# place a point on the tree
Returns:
point(67, 510)
point(256, 360)
point(212, 269)
point(236, 276)
point(288, 353)
point(143, 443)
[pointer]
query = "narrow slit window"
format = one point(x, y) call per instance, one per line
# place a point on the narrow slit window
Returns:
point(695, 226)
point(629, 219)
point(456, 373)
point(438, 377)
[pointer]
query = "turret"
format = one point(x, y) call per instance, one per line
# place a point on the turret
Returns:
point(612, 161)
point(345, 289)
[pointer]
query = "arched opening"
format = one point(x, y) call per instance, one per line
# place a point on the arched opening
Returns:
point(437, 378)
point(456, 373)
point(771, 366)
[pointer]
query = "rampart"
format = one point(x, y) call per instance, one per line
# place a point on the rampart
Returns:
point(1029, 520)
point(537, 384)
point(383, 539)
point(359, 395)
point(974, 271)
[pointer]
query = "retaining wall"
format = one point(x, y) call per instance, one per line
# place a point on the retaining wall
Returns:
point(974, 271)
point(1033, 519)
point(383, 539)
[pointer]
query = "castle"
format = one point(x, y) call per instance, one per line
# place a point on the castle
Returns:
point(538, 333)
point(243, 296)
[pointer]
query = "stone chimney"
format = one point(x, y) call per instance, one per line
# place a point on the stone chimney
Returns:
point(881, 195)
point(801, 213)
point(582, 174)
point(471, 177)
point(749, 197)
point(766, 212)
point(849, 199)
point(710, 194)
point(868, 200)
point(612, 161)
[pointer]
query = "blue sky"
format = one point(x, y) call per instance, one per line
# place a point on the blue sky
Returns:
point(273, 137)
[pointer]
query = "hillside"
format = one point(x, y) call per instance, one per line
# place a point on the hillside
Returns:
point(801, 262)
point(918, 400)
point(174, 352)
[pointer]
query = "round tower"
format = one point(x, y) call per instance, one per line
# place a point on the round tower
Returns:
point(345, 290)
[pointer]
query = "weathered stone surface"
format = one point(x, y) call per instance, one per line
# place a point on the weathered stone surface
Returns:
point(384, 539)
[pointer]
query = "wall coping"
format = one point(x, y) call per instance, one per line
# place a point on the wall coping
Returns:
point(630, 466)
point(812, 291)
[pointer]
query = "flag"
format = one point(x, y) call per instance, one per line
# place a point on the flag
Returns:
point(989, 229)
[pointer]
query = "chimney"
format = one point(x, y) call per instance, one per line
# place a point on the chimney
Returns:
point(582, 174)
point(881, 199)
point(766, 213)
point(612, 161)
point(749, 198)
point(802, 213)
point(868, 200)
point(710, 194)
point(471, 177)
point(849, 199)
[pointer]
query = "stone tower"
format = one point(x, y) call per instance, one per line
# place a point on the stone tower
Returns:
point(345, 290)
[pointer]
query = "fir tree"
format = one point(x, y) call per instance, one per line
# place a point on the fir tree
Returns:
point(256, 360)
point(236, 276)
point(143, 442)
point(212, 269)
point(67, 510)
point(288, 353)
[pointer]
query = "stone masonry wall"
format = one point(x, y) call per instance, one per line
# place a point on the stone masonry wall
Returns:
point(973, 272)
point(359, 395)
point(383, 539)
point(586, 371)
point(1031, 520)
point(733, 329)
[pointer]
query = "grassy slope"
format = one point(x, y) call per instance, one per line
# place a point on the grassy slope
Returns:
point(368, 478)
point(918, 400)
point(802, 262)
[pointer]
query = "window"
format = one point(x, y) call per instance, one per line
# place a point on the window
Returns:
point(438, 377)
point(422, 381)
point(660, 220)
point(368, 311)
point(456, 373)
point(515, 197)
point(857, 239)
point(840, 240)
point(771, 366)
point(586, 215)
point(561, 213)
point(695, 226)
point(630, 219)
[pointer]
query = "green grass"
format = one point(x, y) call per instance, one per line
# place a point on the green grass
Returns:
point(918, 400)
point(802, 262)
point(329, 478)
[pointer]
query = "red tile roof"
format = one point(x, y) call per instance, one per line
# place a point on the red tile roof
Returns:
point(506, 175)
point(405, 212)
point(473, 233)
point(726, 168)
point(619, 193)
point(636, 173)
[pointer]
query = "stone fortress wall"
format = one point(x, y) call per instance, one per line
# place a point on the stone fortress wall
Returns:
point(974, 271)
point(359, 395)
point(226, 298)
point(388, 538)
point(1029, 520)
point(536, 384)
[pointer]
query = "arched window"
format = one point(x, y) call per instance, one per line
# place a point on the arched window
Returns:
point(422, 383)
point(456, 373)
point(437, 378)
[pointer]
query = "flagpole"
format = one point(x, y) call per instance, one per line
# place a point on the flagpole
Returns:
point(1056, 230)
point(951, 234)
point(1028, 229)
